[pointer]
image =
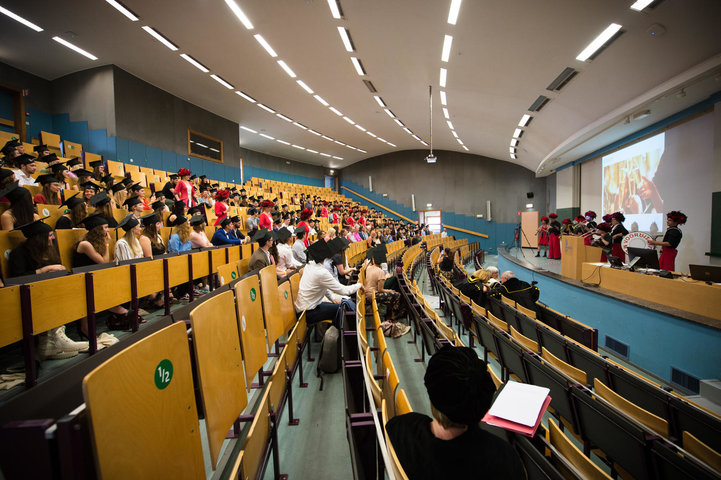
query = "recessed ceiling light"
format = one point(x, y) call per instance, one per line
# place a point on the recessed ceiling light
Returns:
point(20, 19)
point(517, 133)
point(334, 10)
point(304, 86)
point(351, 147)
point(314, 132)
point(391, 144)
point(327, 138)
point(339, 143)
point(300, 125)
point(248, 129)
point(446, 114)
point(524, 120)
point(360, 127)
point(641, 4)
point(400, 124)
point(222, 82)
point(358, 66)
point(311, 150)
point(349, 120)
point(362, 151)
point(266, 108)
point(282, 141)
point(320, 99)
point(337, 158)
point(446, 53)
point(287, 69)
point(598, 42)
point(390, 114)
point(465, 148)
point(416, 137)
point(379, 101)
point(454, 133)
point(75, 48)
point(239, 13)
point(422, 142)
point(247, 97)
point(512, 149)
point(443, 98)
point(513, 156)
point(265, 45)
point(453, 11)
point(123, 9)
point(371, 134)
point(514, 142)
point(345, 37)
point(450, 125)
point(407, 130)
point(283, 117)
point(382, 140)
point(336, 111)
point(442, 80)
point(194, 62)
point(267, 136)
point(459, 141)
point(298, 147)
point(325, 154)
point(161, 38)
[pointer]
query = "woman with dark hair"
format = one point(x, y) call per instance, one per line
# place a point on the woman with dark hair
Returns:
point(618, 231)
point(446, 264)
point(104, 206)
point(542, 233)
point(554, 237)
point(604, 239)
point(38, 254)
point(50, 194)
point(77, 210)
point(21, 211)
point(671, 240)
point(176, 213)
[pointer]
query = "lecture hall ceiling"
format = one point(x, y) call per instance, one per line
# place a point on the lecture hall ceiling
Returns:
point(502, 57)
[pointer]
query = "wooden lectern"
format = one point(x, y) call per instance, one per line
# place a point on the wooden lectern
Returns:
point(574, 254)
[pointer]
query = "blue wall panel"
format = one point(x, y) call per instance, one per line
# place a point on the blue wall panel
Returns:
point(656, 341)
point(121, 149)
point(39, 121)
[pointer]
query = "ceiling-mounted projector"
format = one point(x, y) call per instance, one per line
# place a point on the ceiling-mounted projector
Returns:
point(431, 159)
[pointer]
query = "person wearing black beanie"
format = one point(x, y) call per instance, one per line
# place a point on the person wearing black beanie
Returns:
point(452, 444)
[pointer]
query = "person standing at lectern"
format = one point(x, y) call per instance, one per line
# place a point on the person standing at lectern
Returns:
point(670, 240)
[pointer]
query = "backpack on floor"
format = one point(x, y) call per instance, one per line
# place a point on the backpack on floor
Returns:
point(329, 358)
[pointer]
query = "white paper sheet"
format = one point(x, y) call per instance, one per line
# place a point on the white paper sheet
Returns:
point(519, 402)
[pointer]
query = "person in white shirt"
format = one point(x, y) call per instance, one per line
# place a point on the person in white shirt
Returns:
point(444, 233)
point(299, 246)
point(26, 170)
point(315, 283)
point(286, 263)
point(313, 231)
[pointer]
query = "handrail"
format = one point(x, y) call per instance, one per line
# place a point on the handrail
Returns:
point(459, 229)
point(379, 205)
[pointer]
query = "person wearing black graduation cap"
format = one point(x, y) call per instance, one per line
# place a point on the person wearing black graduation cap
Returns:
point(235, 229)
point(128, 247)
point(198, 238)
point(21, 209)
point(222, 234)
point(452, 444)
point(93, 247)
point(104, 206)
point(336, 264)
point(180, 239)
point(50, 194)
point(286, 263)
point(10, 152)
point(26, 169)
point(151, 241)
point(177, 212)
point(375, 283)
point(135, 206)
point(76, 211)
point(89, 189)
point(316, 282)
point(261, 257)
point(37, 254)
point(299, 246)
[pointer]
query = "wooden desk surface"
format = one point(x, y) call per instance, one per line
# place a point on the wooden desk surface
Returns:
point(683, 293)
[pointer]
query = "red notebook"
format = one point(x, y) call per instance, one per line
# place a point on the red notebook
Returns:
point(518, 407)
point(517, 427)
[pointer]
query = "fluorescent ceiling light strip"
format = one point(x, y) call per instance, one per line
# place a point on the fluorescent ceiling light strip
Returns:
point(598, 42)
point(75, 48)
point(513, 156)
point(214, 150)
point(304, 86)
point(314, 132)
point(453, 11)
point(379, 101)
point(123, 9)
point(336, 111)
point(327, 138)
point(422, 142)
point(240, 14)
point(266, 108)
point(349, 120)
point(265, 45)
point(267, 136)
point(392, 144)
point(362, 151)
point(371, 134)
point(641, 4)
point(245, 96)
point(358, 66)
point(283, 117)
point(524, 120)
point(320, 99)
point(205, 146)
point(446, 53)
point(360, 128)
point(454, 133)
point(514, 142)
point(287, 69)
point(161, 38)
point(311, 150)
point(351, 147)
point(20, 19)
point(465, 148)
point(459, 141)
point(345, 37)
point(300, 125)
point(337, 158)
point(282, 141)
point(325, 154)
point(517, 133)
point(400, 124)
point(450, 125)
point(390, 114)
point(334, 10)
point(194, 62)
point(416, 137)
point(382, 140)
point(512, 149)
point(443, 98)
point(248, 129)
point(442, 79)
point(339, 143)
point(298, 147)
point(446, 114)
point(405, 129)
point(222, 82)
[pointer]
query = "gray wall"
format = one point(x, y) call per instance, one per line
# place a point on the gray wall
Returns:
point(87, 96)
point(458, 182)
point(251, 158)
point(39, 93)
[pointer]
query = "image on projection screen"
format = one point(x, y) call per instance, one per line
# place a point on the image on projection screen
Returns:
point(628, 185)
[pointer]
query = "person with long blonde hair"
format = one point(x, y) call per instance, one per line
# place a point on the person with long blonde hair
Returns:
point(180, 239)
point(329, 235)
point(128, 247)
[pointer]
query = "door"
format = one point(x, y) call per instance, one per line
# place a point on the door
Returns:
point(529, 225)
point(432, 218)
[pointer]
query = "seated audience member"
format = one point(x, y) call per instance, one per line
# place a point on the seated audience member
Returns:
point(299, 245)
point(37, 254)
point(168, 189)
point(222, 235)
point(314, 283)
point(50, 194)
point(493, 272)
point(93, 249)
point(150, 239)
point(177, 212)
point(119, 194)
point(135, 206)
point(21, 210)
point(261, 257)
point(286, 263)
point(251, 223)
point(77, 210)
point(180, 239)
point(452, 444)
point(89, 190)
point(329, 235)
point(338, 267)
point(446, 264)
point(198, 238)
point(235, 229)
point(128, 247)
point(26, 168)
point(474, 286)
point(104, 206)
point(518, 290)
point(375, 283)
